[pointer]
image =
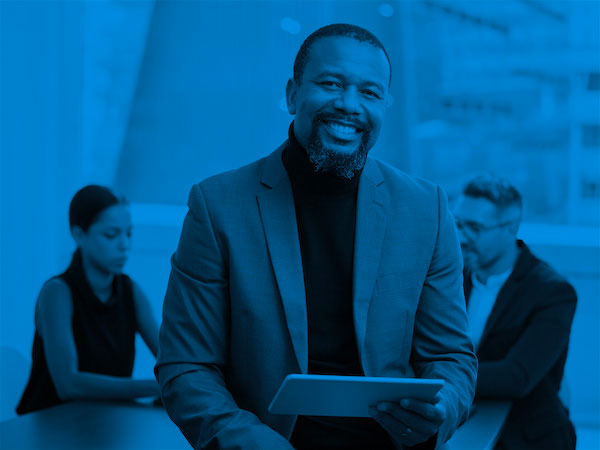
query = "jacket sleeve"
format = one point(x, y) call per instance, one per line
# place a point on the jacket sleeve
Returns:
point(536, 350)
point(442, 347)
point(193, 344)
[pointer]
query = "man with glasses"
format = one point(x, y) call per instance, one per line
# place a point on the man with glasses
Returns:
point(520, 313)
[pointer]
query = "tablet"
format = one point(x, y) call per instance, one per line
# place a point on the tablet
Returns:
point(346, 396)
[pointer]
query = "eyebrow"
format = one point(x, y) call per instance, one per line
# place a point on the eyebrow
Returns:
point(342, 77)
point(115, 228)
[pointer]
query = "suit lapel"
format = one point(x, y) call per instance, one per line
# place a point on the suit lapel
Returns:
point(507, 293)
point(503, 300)
point(370, 228)
point(278, 217)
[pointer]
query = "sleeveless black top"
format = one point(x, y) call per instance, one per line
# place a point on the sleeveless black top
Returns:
point(104, 335)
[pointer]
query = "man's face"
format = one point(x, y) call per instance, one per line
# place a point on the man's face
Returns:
point(482, 233)
point(340, 101)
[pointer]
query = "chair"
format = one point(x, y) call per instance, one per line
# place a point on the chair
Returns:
point(14, 373)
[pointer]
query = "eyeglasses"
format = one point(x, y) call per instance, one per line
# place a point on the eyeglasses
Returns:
point(476, 228)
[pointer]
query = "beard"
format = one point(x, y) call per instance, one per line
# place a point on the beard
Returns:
point(469, 262)
point(470, 259)
point(478, 261)
point(344, 165)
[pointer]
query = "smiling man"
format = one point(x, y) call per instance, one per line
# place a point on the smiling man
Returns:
point(317, 259)
point(339, 100)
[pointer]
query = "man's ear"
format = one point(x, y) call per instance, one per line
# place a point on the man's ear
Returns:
point(290, 95)
point(513, 219)
point(513, 228)
point(389, 100)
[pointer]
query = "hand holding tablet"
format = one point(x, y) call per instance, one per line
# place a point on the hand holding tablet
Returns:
point(346, 396)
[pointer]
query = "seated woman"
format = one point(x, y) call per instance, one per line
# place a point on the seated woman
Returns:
point(86, 318)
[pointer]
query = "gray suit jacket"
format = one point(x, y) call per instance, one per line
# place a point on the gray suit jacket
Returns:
point(234, 319)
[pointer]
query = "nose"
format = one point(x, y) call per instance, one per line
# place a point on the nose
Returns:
point(348, 101)
point(124, 242)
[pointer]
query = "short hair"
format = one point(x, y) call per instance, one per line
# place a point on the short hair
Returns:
point(497, 190)
point(334, 30)
point(89, 202)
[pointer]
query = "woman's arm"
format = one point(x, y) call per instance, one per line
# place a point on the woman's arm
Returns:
point(147, 325)
point(53, 320)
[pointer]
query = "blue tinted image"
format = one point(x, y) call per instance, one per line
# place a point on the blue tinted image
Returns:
point(482, 125)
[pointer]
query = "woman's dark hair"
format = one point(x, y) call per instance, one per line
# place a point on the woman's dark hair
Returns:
point(88, 203)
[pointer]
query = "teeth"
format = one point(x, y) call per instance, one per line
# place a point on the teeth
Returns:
point(342, 128)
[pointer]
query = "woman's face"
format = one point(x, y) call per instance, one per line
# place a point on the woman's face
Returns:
point(107, 241)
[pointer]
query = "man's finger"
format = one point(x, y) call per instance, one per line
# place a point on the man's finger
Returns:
point(406, 417)
point(398, 430)
point(430, 412)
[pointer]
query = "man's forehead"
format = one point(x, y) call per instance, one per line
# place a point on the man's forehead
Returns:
point(478, 209)
point(332, 49)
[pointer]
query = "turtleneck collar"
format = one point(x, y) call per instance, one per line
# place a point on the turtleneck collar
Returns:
point(304, 177)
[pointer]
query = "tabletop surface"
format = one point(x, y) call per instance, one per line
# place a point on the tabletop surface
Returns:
point(93, 425)
point(100, 425)
point(482, 429)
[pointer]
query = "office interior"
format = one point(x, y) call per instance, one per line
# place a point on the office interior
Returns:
point(150, 97)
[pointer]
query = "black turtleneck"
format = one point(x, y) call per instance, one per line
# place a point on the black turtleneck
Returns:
point(326, 216)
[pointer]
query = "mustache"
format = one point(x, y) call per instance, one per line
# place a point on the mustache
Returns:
point(467, 248)
point(359, 124)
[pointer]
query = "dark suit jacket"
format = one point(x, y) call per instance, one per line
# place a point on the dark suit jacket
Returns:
point(234, 320)
point(523, 351)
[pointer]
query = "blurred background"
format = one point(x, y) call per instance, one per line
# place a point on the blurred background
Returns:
point(149, 97)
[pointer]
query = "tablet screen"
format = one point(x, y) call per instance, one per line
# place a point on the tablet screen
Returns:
point(346, 396)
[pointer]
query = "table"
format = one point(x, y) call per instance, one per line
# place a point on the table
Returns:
point(103, 425)
point(482, 428)
point(93, 425)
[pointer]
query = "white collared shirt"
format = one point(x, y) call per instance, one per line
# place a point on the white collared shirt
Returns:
point(481, 302)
